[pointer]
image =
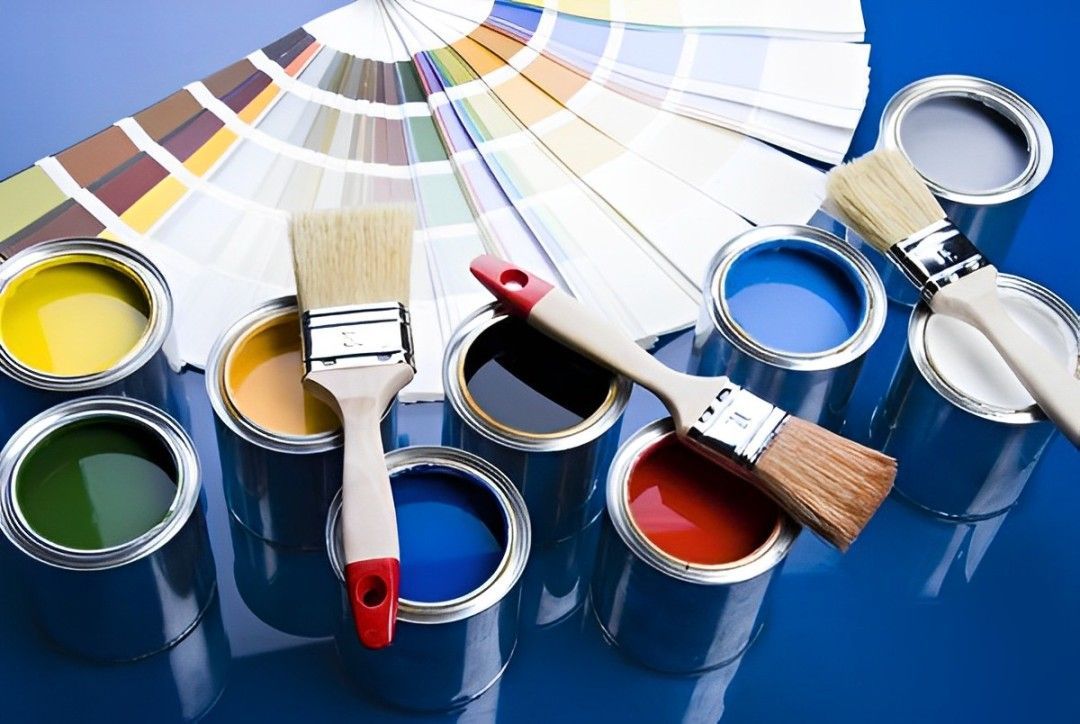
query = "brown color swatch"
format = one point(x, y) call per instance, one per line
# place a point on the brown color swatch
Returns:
point(89, 160)
point(164, 117)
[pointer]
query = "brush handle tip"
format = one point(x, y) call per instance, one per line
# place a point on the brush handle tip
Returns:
point(372, 587)
point(516, 288)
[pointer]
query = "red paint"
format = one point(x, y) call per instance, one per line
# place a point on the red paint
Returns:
point(517, 289)
point(694, 510)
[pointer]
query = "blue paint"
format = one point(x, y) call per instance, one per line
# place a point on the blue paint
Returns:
point(794, 296)
point(452, 533)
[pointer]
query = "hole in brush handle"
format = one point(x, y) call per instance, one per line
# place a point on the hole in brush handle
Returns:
point(516, 288)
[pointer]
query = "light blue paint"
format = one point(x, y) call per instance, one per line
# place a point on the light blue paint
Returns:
point(794, 296)
point(451, 530)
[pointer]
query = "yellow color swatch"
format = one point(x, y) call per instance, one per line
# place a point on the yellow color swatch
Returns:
point(145, 212)
point(200, 161)
point(73, 315)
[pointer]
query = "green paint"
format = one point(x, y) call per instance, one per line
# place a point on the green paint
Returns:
point(26, 197)
point(409, 82)
point(96, 483)
point(427, 143)
point(444, 203)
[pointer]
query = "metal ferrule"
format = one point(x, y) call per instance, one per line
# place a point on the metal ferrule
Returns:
point(936, 256)
point(737, 425)
point(358, 336)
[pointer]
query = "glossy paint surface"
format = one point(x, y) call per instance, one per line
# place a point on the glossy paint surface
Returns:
point(75, 315)
point(789, 297)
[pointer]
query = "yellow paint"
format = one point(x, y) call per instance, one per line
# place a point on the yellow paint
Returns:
point(263, 380)
point(74, 315)
point(145, 212)
point(252, 110)
point(208, 154)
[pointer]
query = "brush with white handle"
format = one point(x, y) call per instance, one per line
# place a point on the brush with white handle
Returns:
point(882, 198)
point(830, 484)
point(352, 279)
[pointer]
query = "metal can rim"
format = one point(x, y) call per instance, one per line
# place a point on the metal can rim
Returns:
point(518, 535)
point(176, 440)
point(769, 555)
point(158, 327)
point(870, 325)
point(583, 433)
point(999, 98)
point(916, 339)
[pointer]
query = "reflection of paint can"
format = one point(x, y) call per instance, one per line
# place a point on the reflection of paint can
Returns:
point(557, 578)
point(789, 314)
point(683, 598)
point(280, 448)
point(458, 611)
point(543, 414)
point(968, 434)
point(101, 495)
point(83, 317)
point(981, 149)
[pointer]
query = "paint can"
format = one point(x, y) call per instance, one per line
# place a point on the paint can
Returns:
point(556, 580)
point(981, 149)
point(683, 598)
point(465, 537)
point(790, 313)
point(968, 433)
point(101, 497)
point(543, 414)
point(108, 324)
point(280, 448)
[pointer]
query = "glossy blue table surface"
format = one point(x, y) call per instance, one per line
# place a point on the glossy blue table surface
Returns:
point(920, 620)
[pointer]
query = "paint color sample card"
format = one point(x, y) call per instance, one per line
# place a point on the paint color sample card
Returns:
point(609, 147)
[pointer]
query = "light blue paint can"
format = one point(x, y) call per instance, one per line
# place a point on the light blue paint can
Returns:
point(789, 313)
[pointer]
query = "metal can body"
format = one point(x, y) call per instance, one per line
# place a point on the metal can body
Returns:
point(667, 614)
point(961, 458)
point(278, 486)
point(559, 474)
point(132, 600)
point(988, 216)
point(145, 374)
point(816, 386)
point(444, 654)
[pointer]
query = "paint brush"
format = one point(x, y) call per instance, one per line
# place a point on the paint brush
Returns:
point(883, 199)
point(830, 484)
point(352, 279)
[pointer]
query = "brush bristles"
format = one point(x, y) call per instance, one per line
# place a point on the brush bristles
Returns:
point(882, 198)
point(831, 484)
point(344, 257)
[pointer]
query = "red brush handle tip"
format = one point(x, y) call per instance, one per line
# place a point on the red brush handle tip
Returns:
point(372, 586)
point(516, 288)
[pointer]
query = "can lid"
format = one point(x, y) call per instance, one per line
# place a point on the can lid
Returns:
point(966, 369)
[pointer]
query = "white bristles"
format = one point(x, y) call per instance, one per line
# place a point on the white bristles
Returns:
point(882, 198)
point(344, 257)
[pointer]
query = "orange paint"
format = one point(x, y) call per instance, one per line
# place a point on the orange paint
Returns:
point(301, 60)
point(694, 510)
point(263, 380)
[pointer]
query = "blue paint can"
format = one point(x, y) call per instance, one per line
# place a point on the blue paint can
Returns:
point(672, 589)
point(981, 149)
point(144, 373)
point(790, 313)
point(465, 537)
point(281, 451)
point(968, 436)
point(543, 414)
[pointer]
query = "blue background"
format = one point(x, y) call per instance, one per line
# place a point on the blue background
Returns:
point(846, 638)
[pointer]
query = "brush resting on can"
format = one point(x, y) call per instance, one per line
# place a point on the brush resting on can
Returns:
point(828, 483)
point(352, 276)
point(885, 201)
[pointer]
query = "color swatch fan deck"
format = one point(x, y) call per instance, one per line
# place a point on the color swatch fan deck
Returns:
point(610, 145)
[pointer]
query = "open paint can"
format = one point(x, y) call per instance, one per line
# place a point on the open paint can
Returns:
point(968, 433)
point(543, 414)
point(686, 556)
point(280, 447)
point(790, 313)
point(981, 149)
point(83, 317)
point(101, 496)
point(464, 535)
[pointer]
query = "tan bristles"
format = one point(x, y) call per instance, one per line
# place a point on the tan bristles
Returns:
point(882, 198)
point(344, 257)
point(826, 481)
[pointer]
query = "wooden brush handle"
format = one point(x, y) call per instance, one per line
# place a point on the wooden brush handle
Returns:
point(563, 318)
point(974, 299)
